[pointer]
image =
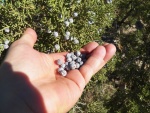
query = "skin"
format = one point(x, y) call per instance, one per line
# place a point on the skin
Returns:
point(58, 94)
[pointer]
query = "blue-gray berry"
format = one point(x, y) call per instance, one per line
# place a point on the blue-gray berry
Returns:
point(57, 46)
point(71, 38)
point(72, 53)
point(62, 65)
point(109, 1)
point(77, 65)
point(67, 33)
point(66, 37)
point(55, 34)
point(75, 14)
point(73, 57)
point(6, 42)
point(72, 66)
point(49, 31)
point(59, 62)
point(66, 63)
point(67, 67)
point(81, 63)
point(68, 55)
point(77, 53)
point(7, 30)
point(72, 62)
point(60, 69)
point(67, 23)
point(76, 41)
point(6, 46)
point(71, 20)
point(78, 59)
point(69, 59)
point(63, 72)
point(78, 1)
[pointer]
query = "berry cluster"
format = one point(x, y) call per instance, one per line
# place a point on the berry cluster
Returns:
point(74, 60)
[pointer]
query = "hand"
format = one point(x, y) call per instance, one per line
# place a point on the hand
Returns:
point(58, 94)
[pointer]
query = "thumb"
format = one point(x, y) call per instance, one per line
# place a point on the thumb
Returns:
point(29, 37)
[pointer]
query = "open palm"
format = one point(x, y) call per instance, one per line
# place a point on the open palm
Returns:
point(58, 93)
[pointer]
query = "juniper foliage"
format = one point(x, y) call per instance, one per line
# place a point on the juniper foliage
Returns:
point(49, 16)
point(123, 84)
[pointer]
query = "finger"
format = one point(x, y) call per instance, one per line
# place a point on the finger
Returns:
point(94, 63)
point(110, 50)
point(99, 58)
point(29, 37)
point(77, 78)
point(89, 47)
